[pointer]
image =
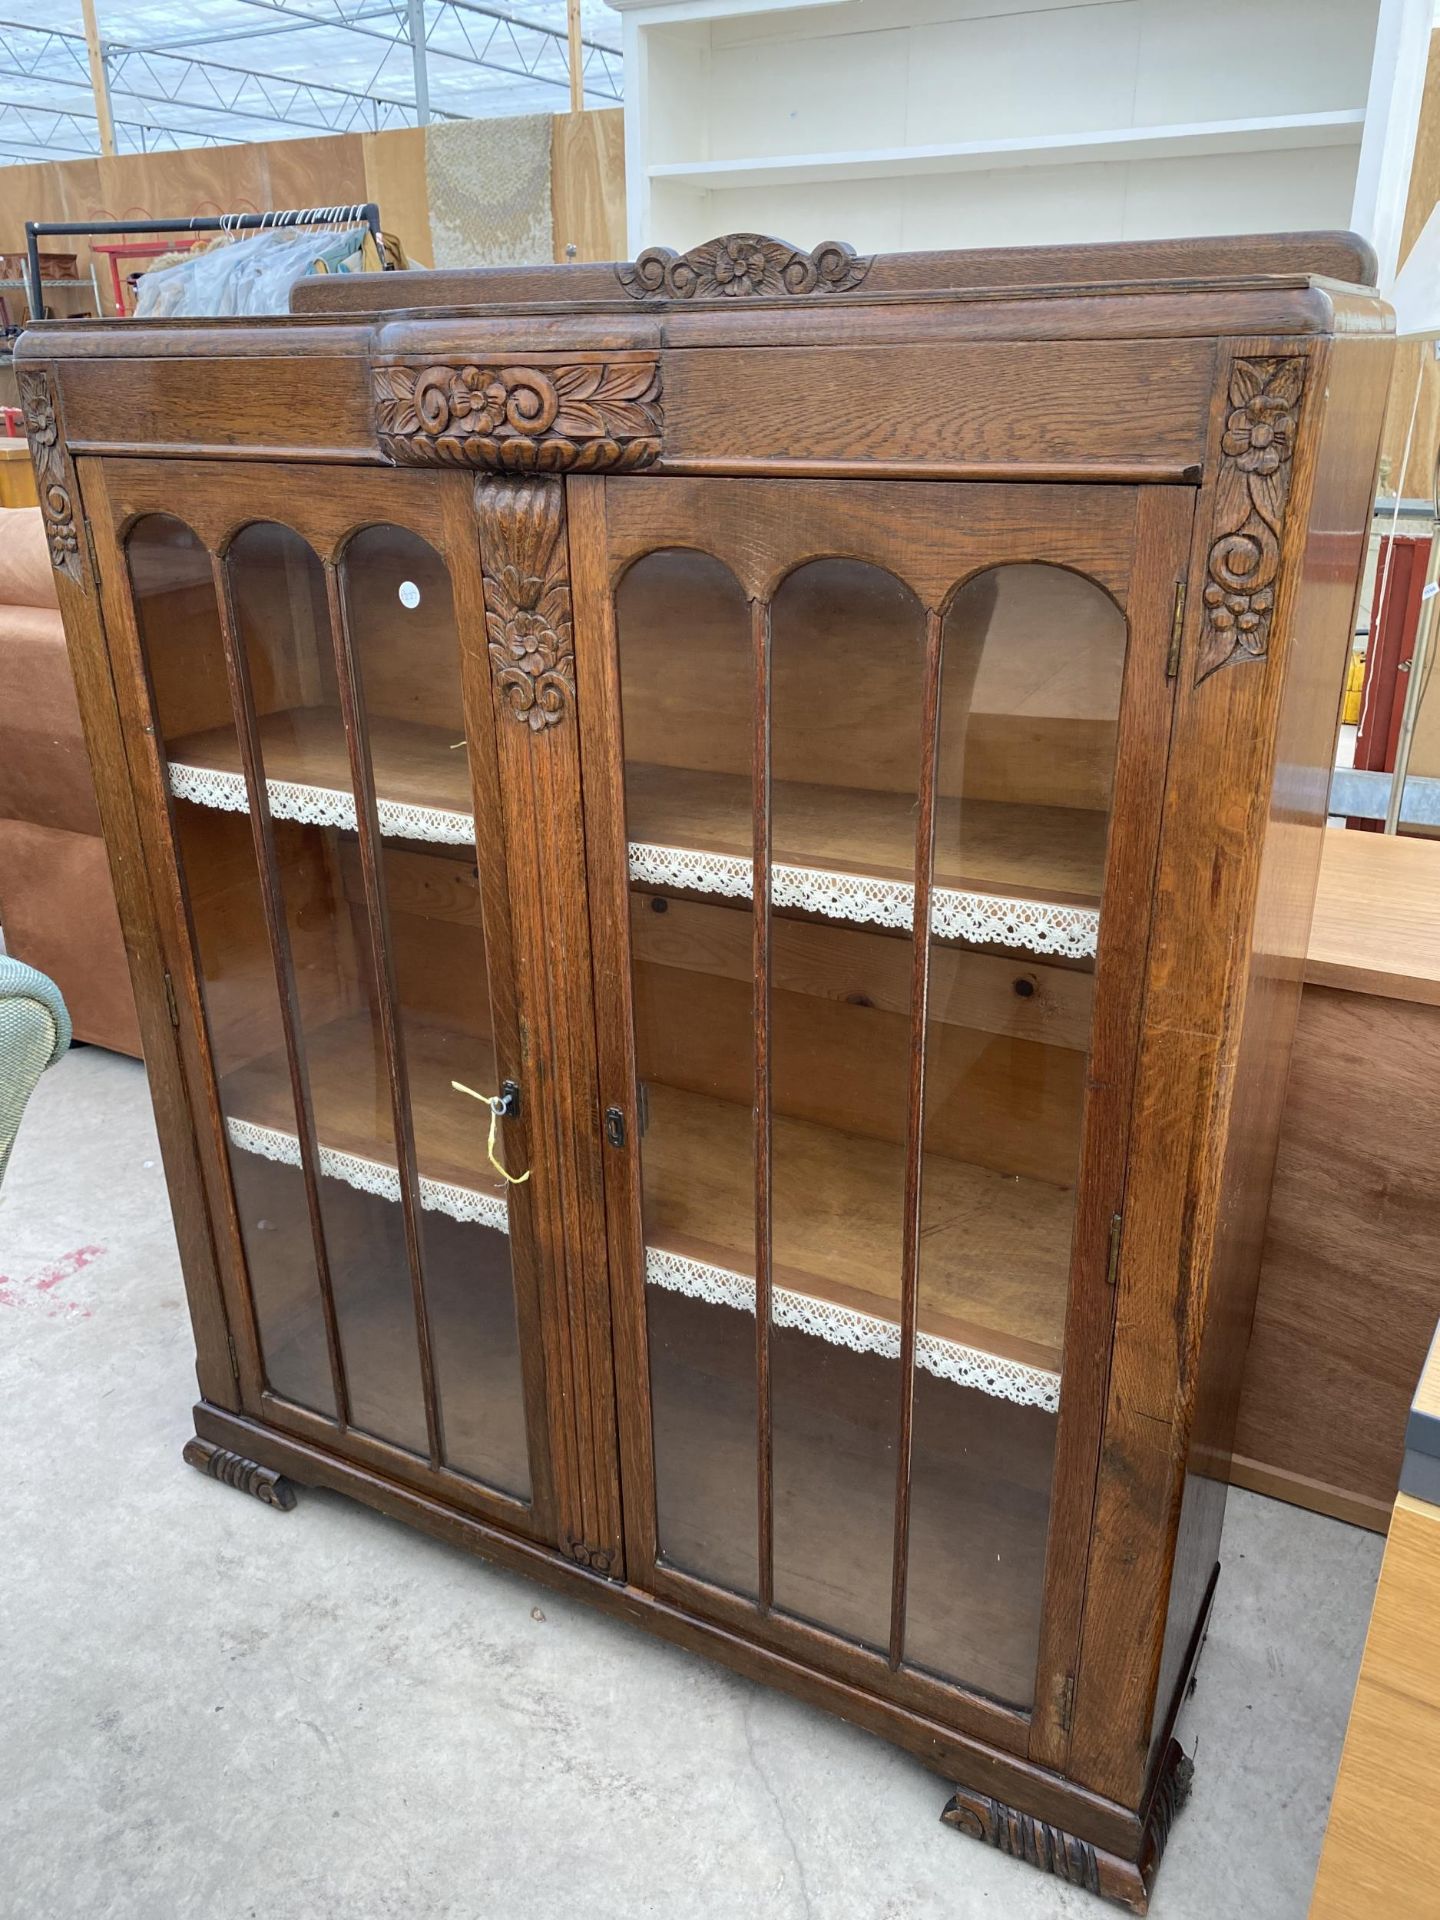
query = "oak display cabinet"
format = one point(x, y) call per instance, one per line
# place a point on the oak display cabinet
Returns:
point(716, 854)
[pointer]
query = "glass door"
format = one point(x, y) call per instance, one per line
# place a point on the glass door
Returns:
point(329, 815)
point(883, 940)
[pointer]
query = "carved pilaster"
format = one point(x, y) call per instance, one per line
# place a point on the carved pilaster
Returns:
point(583, 416)
point(236, 1471)
point(1077, 1862)
point(527, 597)
point(742, 266)
point(1252, 490)
point(54, 475)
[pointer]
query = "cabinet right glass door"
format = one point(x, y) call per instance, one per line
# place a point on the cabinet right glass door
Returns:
point(870, 739)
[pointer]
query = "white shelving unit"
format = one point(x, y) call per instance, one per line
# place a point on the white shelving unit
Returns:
point(1091, 120)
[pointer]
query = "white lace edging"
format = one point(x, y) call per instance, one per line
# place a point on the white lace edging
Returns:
point(319, 806)
point(984, 919)
point(861, 1332)
point(373, 1176)
point(675, 1273)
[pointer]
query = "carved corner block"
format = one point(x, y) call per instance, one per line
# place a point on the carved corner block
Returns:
point(54, 475)
point(1077, 1862)
point(1252, 492)
point(527, 598)
point(587, 416)
point(742, 266)
point(236, 1471)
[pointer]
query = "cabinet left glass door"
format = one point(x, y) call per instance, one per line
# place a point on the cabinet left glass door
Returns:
point(319, 797)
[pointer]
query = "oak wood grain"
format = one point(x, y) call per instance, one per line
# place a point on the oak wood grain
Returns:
point(1377, 917)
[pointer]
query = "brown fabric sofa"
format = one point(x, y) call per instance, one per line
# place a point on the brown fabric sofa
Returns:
point(57, 906)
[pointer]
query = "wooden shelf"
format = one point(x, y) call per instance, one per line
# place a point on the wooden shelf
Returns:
point(1269, 133)
point(419, 771)
point(1050, 859)
point(995, 1250)
point(1028, 852)
point(348, 1091)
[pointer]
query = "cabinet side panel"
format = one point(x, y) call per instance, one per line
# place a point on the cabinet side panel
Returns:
point(1182, 1214)
point(1356, 374)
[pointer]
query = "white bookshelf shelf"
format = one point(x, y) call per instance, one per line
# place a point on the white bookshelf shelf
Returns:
point(985, 123)
point(1272, 134)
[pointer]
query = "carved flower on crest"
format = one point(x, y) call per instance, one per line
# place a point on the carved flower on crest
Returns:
point(739, 265)
point(1260, 430)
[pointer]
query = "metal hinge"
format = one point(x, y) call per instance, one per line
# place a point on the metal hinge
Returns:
point(234, 1357)
point(1067, 1702)
point(1112, 1268)
point(90, 545)
point(171, 1004)
point(1172, 659)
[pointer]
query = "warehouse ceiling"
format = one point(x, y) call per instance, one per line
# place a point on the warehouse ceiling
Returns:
point(185, 73)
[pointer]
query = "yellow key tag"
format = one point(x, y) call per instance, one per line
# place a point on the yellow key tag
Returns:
point(495, 1102)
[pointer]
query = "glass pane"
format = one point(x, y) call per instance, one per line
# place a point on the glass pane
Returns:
point(407, 654)
point(685, 679)
point(283, 630)
point(176, 612)
point(1030, 693)
point(847, 690)
point(430, 969)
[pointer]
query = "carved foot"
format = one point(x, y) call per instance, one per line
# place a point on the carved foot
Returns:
point(1126, 1882)
point(236, 1471)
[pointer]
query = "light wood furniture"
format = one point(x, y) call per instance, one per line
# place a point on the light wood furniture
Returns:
point(17, 476)
point(831, 753)
point(1389, 1780)
point(1350, 1280)
point(943, 123)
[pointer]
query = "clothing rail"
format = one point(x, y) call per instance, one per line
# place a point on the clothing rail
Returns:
point(369, 213)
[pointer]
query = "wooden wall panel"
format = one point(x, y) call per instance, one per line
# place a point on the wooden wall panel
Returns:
point(587, 189)
point(324, 171)
point(587, 184)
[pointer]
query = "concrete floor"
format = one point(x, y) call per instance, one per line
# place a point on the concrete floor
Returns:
point(210, 1709)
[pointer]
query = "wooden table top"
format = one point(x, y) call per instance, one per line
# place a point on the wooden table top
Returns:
point(1377, 916)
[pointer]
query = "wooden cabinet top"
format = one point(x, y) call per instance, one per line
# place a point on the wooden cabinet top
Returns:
point(1096, 363)
point(1377, 917)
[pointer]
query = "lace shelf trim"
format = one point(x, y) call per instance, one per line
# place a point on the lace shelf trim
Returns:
point(373, 1176)
point(319, 806)
point(861, 1332)
point(984, 919)
point(841, 1326)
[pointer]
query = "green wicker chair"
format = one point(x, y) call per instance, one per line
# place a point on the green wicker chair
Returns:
point(34, 1032)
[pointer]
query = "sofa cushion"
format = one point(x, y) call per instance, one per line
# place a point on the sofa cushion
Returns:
point(44, 768)
point(57, 907)
point(27, 578)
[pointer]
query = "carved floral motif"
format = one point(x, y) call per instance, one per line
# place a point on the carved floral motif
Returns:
point(1256, 453)
point(527, 597)
point(740, 265)
point(596, 417)
point(52, 472)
